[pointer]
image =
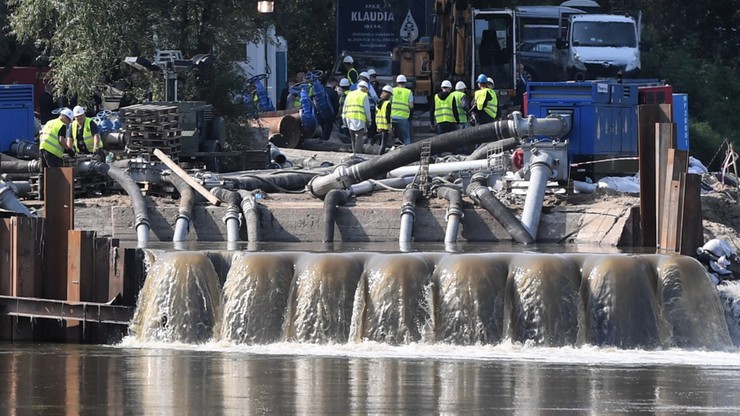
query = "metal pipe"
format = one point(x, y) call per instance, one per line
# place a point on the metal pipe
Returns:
point(25, 149)
point(333, 199)
point(9, 201)
point(541, 169)
point(20, 166)
point(132, 189)
point(441, 169)
point(516, 127)
point(454, 210)
point(372, 185)
point(408, 214)
point(232, 218)
point(185, 207)
point(478, 191)
point(251, 215)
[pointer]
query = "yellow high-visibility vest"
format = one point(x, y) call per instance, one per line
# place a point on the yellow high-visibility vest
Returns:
point(400, 107)
point(50, 137)
point(443, 110)
point(87, 135)
point(354, 105)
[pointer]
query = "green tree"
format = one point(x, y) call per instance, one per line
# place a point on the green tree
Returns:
point(87, 40)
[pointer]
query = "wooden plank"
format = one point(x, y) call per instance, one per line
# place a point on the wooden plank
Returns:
point(692, 235)
point(664, 227)
point(190, 181)
point(80, 265)
point(26, 257)
point(5, 235)
point(116, 269)
point(671, 217)
point(101, 270)
point(59, 211)
point(647, 116)
point(664, 134)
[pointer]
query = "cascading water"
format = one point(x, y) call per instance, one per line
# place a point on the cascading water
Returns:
point(625, 301)
point(180, 300)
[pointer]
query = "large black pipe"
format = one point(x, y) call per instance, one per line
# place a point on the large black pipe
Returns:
point(333, 199)
point(517, 127)
point(482, 151)
point(20, 166)
point(185, 208)
point(131, 188)
point(478, 191)
point(277, 182)
point(454, 210)
point(232, 216)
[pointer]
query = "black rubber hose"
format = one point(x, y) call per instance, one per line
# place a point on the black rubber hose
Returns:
point(482, 151)
point(273, 183)
point(131, 188)
point(441, 143)
point(185, 207)
point(334, 198)
point(20, 166)
point(479, 192)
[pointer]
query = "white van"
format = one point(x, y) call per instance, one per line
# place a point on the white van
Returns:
point(600, 46)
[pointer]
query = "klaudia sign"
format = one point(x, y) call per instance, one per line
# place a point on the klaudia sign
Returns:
point(377, 26)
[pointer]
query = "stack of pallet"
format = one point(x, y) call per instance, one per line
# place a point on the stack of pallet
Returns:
point(150, 127)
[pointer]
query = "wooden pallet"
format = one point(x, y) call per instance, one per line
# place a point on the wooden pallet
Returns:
point(151, 125)
point(140, 136)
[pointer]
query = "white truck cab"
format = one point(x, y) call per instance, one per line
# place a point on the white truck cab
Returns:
point(600, 45)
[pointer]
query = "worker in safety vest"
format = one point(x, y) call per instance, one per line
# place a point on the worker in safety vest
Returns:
point(350, 72)
point(486, 102)
point(383, 119)
point(461, 98)
point(53, 139)
point(356, 115)
point(443, 110)
point(85, 136)
point(342, 91)
point(403, 104)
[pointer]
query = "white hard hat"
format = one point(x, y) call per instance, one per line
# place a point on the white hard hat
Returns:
point(344, 82)
point(364, 74)
point(66, 112)
point(460, 86)
point(348, 60)
point(362, 84)
point(490, 80)
point(388, 89)
point(371, 72)
point(446, 84)
point(401, 78)
point(78, 111)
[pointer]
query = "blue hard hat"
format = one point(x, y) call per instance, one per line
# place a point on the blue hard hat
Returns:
point(482, 78)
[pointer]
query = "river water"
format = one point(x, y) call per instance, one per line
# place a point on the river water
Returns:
point(364, 379)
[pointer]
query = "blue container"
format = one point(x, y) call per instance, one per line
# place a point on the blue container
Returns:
point(16, 115)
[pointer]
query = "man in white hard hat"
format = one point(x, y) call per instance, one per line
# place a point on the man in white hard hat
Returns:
point(383, 119)
point(443, 110)
point(403, 104)
point(53, 142)
point(342, 91)
point(373, 97)
point(349, 70)
point(374, 80)
point(356, 115)
point(463, 105)
point(84, 135)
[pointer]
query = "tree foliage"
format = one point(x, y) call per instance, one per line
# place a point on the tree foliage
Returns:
point(88, 40)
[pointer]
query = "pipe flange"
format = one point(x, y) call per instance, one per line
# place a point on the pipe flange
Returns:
point(454, 211)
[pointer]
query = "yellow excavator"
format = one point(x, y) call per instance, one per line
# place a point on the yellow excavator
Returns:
point(466, 42)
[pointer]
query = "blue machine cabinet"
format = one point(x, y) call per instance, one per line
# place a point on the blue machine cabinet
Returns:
point(16, 114)
point(604, 115)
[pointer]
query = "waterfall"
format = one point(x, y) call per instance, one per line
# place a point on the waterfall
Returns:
point(554, 300)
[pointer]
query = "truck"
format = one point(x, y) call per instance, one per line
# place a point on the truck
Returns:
point(599, 46)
